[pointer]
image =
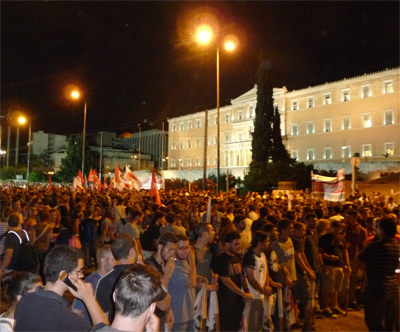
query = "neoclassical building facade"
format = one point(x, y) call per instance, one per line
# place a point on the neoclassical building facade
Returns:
point(324, 124)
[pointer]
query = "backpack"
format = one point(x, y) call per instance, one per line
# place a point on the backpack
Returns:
point(27, 259)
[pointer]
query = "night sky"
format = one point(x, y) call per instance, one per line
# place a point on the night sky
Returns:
point(137, 60)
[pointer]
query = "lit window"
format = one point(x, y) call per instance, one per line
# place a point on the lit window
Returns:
point(389, 148)
point(208, 161)
point(295, 154)
point(216, 120)
point(327, 98)
point(365, 91)
point(189, 162)
point(387, 87)
point(367, 150)
point(310, 154)
point(227, 137)
point(208, 140)
point(310, 127)
point(188, 144)
point(215, 139)
point(295, 105)
point(327, 125)
point(366, 120)
point(181, 127)
point(173, 128)
point(215, 160)
point(197, 162)
point(226, 158)
point(190, 125)
point(198, 123)
point(181, 144)
point(346, 95)
point(208, 121)
point(240, 115)
point(197, 142)
point(327, 153)
point(227, 117)
point(295, 129)
point(251, 111)
point(173, 146)
point(310, 102)
point(346, 125)
point(173, 163)
point(346, 151)
point(388, 117)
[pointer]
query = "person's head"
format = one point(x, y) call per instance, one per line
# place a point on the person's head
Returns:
point(310, 220)
point(20, 283)
point(171, 217)
point(137, 291)
point(97, 212)
point(44, 216)
point(136, 216)
point(182, 249)
point(232, 242)
point(285, 228)
point(263, 213)
point(336, 227)
point(387, 228)
point(272, 232)
point(166, 246)
point(128, 211)
point(299, 230)
point(32, 211)
point(239, 222)
point(204, 231)
point(105, 258)
point(260, 239)
point(16, 205)
point(337, 209)
point(351, 217)
point(13, 220)
point(158, 217)
point(124, 247)
point(63, 258)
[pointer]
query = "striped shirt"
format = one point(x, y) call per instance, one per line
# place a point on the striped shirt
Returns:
point(382, 260)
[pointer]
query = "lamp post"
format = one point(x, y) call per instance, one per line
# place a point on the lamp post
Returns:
point(75, 94)
point(204, 36)
point(23, 120)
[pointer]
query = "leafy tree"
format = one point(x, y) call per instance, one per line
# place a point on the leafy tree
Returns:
point(37, 176)
point(279, 151)
point(72, 163)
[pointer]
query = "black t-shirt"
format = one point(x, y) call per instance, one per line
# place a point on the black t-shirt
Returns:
point(298, 246)
point(148, 237)
point(333, 245)
point(311, 250)
point(13, 242)
point(227, 266)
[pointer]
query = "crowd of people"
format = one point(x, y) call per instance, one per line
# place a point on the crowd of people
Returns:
point(273, 263)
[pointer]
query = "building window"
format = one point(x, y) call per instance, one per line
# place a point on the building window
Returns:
point(310, 154)
point(188, 144)
point(251, 129)
point(367, 150)
point(295, 154)
point(208, 121)
point(388, 118)
point(173, 128)
point(189, 162)
point(295, 105)
point(327, 153)
point(173, 147)
point(295, 129)
point(215, 139)
point(251, 111)
point(215, 160)
point(227, 138)
point(310, 127)
point(388, 87)
point(366, 120)
point(227, 118)
point(181, 127)
point(181, 144)
point(189, 124)
point(208, 161)
point(197, 142)
point(216, 120)
point(208, 140)
point(327, 125)
point(327, 98)
point(240, 136)
point(173, 163)
point(389, 148)
point(197, 162)
point(198, 123)
point(310, 102)
point(240, 115)
point(346, 95)
point(346, 125)
point(365, 91)
point(346, 151)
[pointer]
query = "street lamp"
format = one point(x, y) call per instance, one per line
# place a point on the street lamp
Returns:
point(76, 95)
point(204, 36)
point(23, 120)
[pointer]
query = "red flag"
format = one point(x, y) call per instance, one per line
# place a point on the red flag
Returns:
point(117, 174)
point(105, 184)
point(80, 176)
point(154, 189)
point(90, 178)
point(51, 186)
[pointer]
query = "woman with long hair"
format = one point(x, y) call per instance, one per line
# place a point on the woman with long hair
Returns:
point(30, 222)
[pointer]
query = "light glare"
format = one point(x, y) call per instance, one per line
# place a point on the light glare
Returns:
point(204, 34)
point(21, 120)
point(75, 94)
point(229, 46)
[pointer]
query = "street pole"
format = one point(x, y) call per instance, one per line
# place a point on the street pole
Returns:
point(162, 146)
point(29, 153)
point(205, 151)
point(8, 146)
point(16, 147)
point(84, 141)
point(218, 125)
point(140, 138)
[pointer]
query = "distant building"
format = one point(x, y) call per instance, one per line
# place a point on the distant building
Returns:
point(47, 142)
point(324, 124)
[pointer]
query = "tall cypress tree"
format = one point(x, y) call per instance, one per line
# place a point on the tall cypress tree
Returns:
point(280, 154)
point(262, 143)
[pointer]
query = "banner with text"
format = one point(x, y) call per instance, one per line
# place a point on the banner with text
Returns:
point(328, 188)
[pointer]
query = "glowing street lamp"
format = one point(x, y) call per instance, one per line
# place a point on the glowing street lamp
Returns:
point(204, 35)
point(76, 95)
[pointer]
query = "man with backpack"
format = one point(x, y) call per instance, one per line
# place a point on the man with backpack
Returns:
point(19, 254)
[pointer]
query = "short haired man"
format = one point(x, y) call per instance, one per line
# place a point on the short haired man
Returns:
point(135, 296)
point(381, 260)
point(240, 223)
point(334, 254)
point(133, 219)
point(105, 263)
point(46, 309)
point(228, 266)
point(172, 227)
point(125, 252)
point(256, 270)
point(260, 222)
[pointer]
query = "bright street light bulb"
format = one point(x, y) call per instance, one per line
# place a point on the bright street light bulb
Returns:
point(21, 120)
point(229, 46)
point(75, 94)
point(204, 34)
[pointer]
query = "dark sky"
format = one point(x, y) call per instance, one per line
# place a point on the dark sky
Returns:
point(136, 60)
